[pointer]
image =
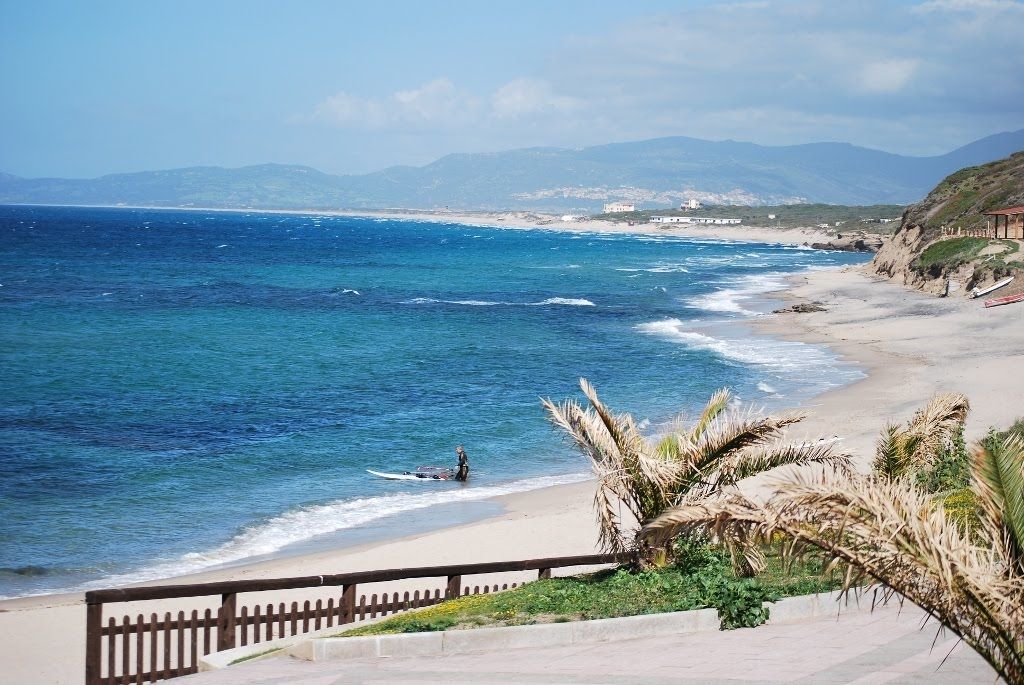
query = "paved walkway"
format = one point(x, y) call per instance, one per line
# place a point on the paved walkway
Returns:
point(885, 646)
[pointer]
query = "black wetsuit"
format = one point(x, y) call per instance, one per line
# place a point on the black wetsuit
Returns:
point(463, 472)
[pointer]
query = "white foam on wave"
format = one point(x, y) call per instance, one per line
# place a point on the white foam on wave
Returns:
point(764, 387)
point(567, 301)
point(661, 269)
point(304, 523)
point(782, 357)
point(730, 300)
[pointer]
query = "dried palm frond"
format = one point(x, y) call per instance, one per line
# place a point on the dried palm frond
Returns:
point(901, 450)
point(720, 449)
point(886, 530)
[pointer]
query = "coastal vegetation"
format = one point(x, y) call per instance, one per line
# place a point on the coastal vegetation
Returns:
point(690, 462)
point(840, 218)
point(933, 521)
point(963, 566)
point(698, 575)
point(941, 238)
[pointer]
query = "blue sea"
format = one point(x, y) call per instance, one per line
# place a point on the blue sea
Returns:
point(189, 389)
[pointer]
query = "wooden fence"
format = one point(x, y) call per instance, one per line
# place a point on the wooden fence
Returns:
point(150, 647)
point(951, 231)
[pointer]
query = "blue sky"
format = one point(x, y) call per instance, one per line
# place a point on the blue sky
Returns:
point(104, 87)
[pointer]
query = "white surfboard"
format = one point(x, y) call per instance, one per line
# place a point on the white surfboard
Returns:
point(402, 476)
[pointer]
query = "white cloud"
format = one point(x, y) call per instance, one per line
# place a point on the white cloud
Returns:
point(908, 78)
point(525, 96)
point(969, 5)
point(886, 76)
point(436, 103)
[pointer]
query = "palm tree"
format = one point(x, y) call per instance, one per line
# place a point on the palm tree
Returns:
point(903, 449)
point(888, 530)
point(704, 460)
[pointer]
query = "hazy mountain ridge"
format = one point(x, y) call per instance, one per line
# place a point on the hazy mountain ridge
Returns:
point(544, 178)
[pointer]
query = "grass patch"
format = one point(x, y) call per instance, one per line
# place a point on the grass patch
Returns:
point(948, 254)
point(700, 578)
point(257, 655)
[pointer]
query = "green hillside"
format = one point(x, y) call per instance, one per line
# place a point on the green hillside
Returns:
point(922, 256)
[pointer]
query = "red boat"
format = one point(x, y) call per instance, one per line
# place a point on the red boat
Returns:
point(1009, 299)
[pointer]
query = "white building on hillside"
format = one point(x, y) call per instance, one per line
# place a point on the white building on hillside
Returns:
point(693, 220)
point(692, 203)
point(616, 207)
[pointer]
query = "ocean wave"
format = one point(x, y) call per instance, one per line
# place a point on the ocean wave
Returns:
point(782, 357)
point(729, 300)
point(567, 301)
point(660, 269)
point(304, 523)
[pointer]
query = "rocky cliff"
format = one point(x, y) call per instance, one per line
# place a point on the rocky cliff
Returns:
point(921, 257)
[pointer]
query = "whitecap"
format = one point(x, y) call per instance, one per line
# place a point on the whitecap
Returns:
point(729, 300)
point(782, 357)
point(571, 301)
point(576, 302)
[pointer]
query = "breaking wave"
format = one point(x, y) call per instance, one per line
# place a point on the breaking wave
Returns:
point(566, 301)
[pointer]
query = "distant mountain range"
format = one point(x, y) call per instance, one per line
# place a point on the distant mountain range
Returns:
point(652, 173)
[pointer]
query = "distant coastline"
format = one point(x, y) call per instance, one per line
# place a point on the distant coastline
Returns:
point(525, 219)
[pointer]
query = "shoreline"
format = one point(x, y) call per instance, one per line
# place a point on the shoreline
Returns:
point(910, 345)
point(528, 220)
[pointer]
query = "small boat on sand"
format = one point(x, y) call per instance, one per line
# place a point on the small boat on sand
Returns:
point(1009, 299)
point(978, 292)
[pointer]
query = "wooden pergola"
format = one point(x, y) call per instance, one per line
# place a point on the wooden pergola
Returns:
point(1013, 222)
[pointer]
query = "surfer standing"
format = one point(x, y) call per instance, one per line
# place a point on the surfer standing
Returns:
point(463, 472)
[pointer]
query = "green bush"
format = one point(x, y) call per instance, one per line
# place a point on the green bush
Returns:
point(950, 471)
point(741, 604)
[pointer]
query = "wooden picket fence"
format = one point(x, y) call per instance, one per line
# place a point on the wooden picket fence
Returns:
point(149, 647)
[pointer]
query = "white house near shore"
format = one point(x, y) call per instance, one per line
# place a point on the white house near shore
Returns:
point(692, 220)
point(616, 207)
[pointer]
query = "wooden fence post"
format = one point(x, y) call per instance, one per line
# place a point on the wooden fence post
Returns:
point(348, 603)
point(226, 622)
point(93, 643)
point(454, 588)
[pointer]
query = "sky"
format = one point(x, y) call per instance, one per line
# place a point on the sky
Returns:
point(99, 87)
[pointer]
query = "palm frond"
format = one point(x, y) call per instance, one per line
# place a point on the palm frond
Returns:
point(717, 403)
point(888, 531)
point(890, 459)
point(727, 436)
point(999, 485)
point(933, 426)
point(743, 465)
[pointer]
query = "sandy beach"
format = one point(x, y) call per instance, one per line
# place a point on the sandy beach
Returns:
point(526, 220)
point(911, 345)
point(534, 220)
